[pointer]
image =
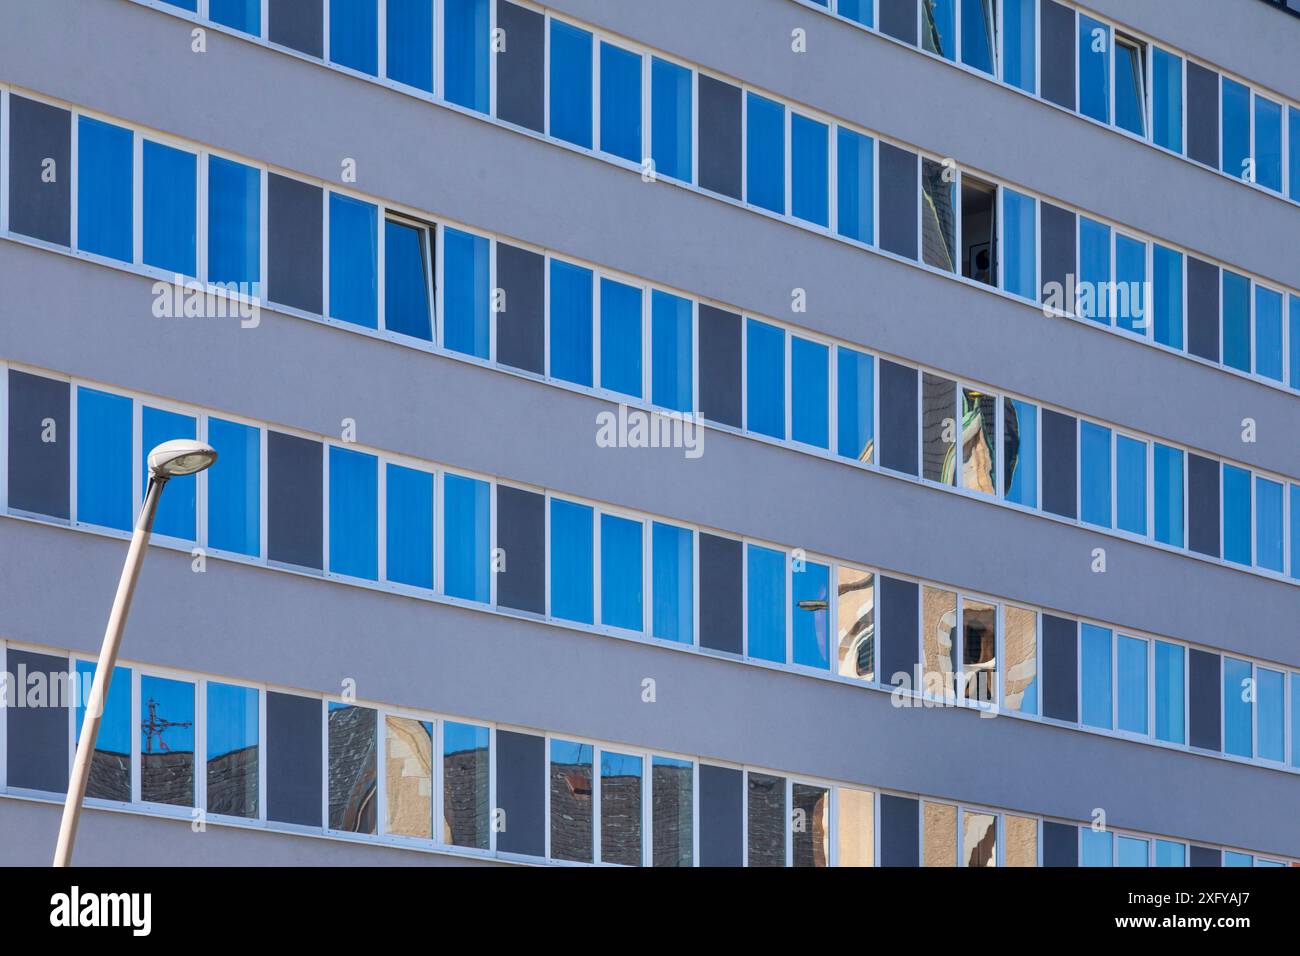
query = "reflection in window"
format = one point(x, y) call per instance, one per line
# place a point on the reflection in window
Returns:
point(1128, 305)
point(1094, 69)
point(232, 754)
point(1095, 677)
point(1170, 690)
point(1169, 853)
point(1020, 452)
point(672, 578)
point(571, 561)
point(353, 514)
point(978, 27)
point(1268, 333)
point(1020, 686)
point(811, 596)
point(1270, 721)
point(620, 337)
point(570, 323)
point(979, 840)
point(857, 624)
point(570, 83)
point(1131, 851)
point(176, 510)
point(855, 197)
point(170, 208)
point(1130, 484)
point(671, 351)
point(409, 533)
point(104, 458)
point(1268, 524)
point(979, 651)
point(940, 839)
point(939, 27)
point(939, 428)
point(1096, 847)
point(1236, 514)
point(938, 216)
point(1238, 707)
point(672, 801)
point(765, 378)
point(354, 254)
point(409, 38)
point(620, 809)
point(110, 763)
point(766, 603)
point(1236, 321)
point(809, 163)
point(1235, 157)
point(1167, 295)
point(1131, 681)
point(767, 817)
point(465, 42)
point(620, 102)
point(856, 395)
point(1233, 858)
point(979, 230)
point(234, 487)
point(765, 152)
point(408, 776)
point(1130, 85)
point(1268, 143)
point(1094, 271)
point(1167, 99)
point(466, 775)
point(939, 642)
point(465, 537)
point(465, 292)
point(811, 825)
point(571, 809)
point(621, 572)
point(352, 768)
point(809, 392)
point(979, 471)
point(670, 119)
point(104, 189)
point(857, 845)
point(1020, 244)
point(166, 741)
point(234, 214)
point(354, 34)
point(1018, 43)
point(1168, 468)
point(1021, 840)
point(1094, 474)
point(408, 285)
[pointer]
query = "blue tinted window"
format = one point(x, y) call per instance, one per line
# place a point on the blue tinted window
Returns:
point(855, 197)
point(1236, 128)
point(810, 586)
point(1270, 694)
point(170, 208)
point(1170, 854)
point(172, 734)
point(1167, 95)
point(1237, 859)
point(1094, 270)
point(810, 392)
point(765, 602)
point(670, 119)
point(113, 740)
point(809, 159)
point(621, 572)
point(1268, 524)
point(465, 51)
point(1131, 283)
point(670, 351)
point(765, 378)
point(410, 42)
point(1170, 693)
point(1095, 675)
point(465, 538)
point(1130, 851)
point(1020, 243)
point(234, 223)
point(233, 721)
point(1236, 321)
point(1293, 332)
point(1168, 471)
point(1018, 44)
point(409, 535)
point(465, 292)
point(1295, 720)
point(570, 83)
point(1130, 485)
point(407, 306)
point(175, 516)
point(1094, 474)
point(1237, 707)
point(977, 31)
point(104, 189)
point(620, 337)
point(234, 488)
point(855, 419)
point(1131, 679)
point(245, 15)
point(1268, 144)
point(1167, 295)
point(571, 561)
point(1095, 847)
point(1130, 81)
point(1236, 514)
point(858, 10)
point(104, 459)
point(570, 322)
point(1268, 333)
point(620, 102)
point(354, 253)
point(354, 524)
point(939, 28)
point(1295, 532)
point(354, 34)
point(1020, 452)
point(765, 152)
point(1293, 151)
point(673, 582)
point(1094, 69)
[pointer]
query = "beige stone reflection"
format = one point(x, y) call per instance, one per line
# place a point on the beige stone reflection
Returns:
point(857, 827)
point(978, 461)
point(979, 840)
point(938, 633)
point(1022, 657)
point(979, 650)
point(408, 776)
point(1022, 841)
point(940, 822)
point(856, 624)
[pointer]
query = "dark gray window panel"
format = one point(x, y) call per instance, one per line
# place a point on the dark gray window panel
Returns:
point(521, 792)
point(722, 806)
point(40, 194)
point(1057, 56)
point(38, 735)
point(720, 395)
point(293, 759)
point(297, 24)
point(295, 231)
point(1060, 844)
point(721, 594)
point(898, 418)
point(293, 500)
point(938, 417)
point(898, 199)
point(1060, 668)
point(1202, 114)
point(1203, 309)
point(900, 831)
point(521, 534)
point(1205, 856)
point(38, 469)
point(898, 19)
point(719, 136)
point(1059, 246)
point(899, 625)
point(1204, 729)
point(1203, 505)
point(521, 83)
point(1060, 464)
point(521, 325)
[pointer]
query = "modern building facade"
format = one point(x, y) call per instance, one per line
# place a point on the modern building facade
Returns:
point(966, 334)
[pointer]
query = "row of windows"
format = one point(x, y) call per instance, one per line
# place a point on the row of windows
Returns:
point(362, 264)
point(739, 143)
point(363, 516)
point(1098, 70)
point(177, 743)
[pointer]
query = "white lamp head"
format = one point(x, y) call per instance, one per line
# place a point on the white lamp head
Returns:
point(180, 457)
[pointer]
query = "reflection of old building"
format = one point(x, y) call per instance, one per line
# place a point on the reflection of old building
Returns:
point(620, 819)
point(168, 777)
point(857, 624)
point(766, 820)
point(810, 823)
point(110, 776)
point(571, 817)
point(408, 776)
point(465, 798)
point(672, 811)
point(232, 782)
point(352, 771)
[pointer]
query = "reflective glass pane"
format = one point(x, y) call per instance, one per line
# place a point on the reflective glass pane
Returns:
point(354, 34)
point(1096, 847)
point(1130, 485)
point(857, 624)
point(1170, 854)
point(570, 84)
point(1236, 514)
point(939, 642)
point(809, 169)
point(855, 169)
point(810, 392)
point(1131, 680)
point(766, 603)
point(166, 741)
point(811, 612)
point(1167, 97)
point(1268, 333)
point(767, 816)
point(620, 102)
point(1167, 295)
point(245, 15)
point(170, 209)
point(105, 213)
point(104, 459)
point(939, 821)
point(979, 840)
point(1270, 694)
point(465, 292)
point(1094, 69)
point(1019, 49)
point(353, 769)
point(671, 351)
point(408, 776)
point(176, 509)
point(409, 39)
point(1170, 691)
point(1130, 84)
point(939, 27)
point(621, 572)
point(620, 808)
point(1168, 468)
point(855, 389)
point(571, 561)
point(670, 119)
point(354, 521)
point(857, 844)
point(354, 254)
point(1020, 685)
point(979, 431)
point(1238, 704)
point(407, 259)
point(620, 337)
point(1236, 321)
point(1020, 452)
point(465, 50)
point(465, 538)
point(765, 378)
point(1094, 271)
point(673, 581)
point(977, 30)
point(1293, 137)
point(1236, 159)
point(810, 824)
point(1232, 858)
point(979, 643)
point(571, 325)
point(571, 807)
point(234, 231)
point(110, 762)
point(1020, 244)
point(234, 487)
point(1095, 675)
point(939, 429)
point(1094, 474)
point(1268, 524)
point(938, 216)
point(1295, 720)
point(1268, 143)
point(1022, 841)
point(1132, 851)
point(1129, 296)
point(466, 777)
point(765, 152)
point(409, 530)
point(672, 809)
point(233, 719)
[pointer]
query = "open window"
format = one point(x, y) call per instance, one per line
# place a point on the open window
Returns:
point(979, 230)
point(1130, 85)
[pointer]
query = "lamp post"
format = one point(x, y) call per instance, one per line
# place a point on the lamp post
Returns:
point(172, 459)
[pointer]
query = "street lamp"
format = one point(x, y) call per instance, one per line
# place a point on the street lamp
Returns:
point(171, 459)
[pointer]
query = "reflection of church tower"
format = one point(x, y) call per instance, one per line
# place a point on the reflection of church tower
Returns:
point(1010, 442)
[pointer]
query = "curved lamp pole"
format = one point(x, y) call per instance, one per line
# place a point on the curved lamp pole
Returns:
point(172, 459)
